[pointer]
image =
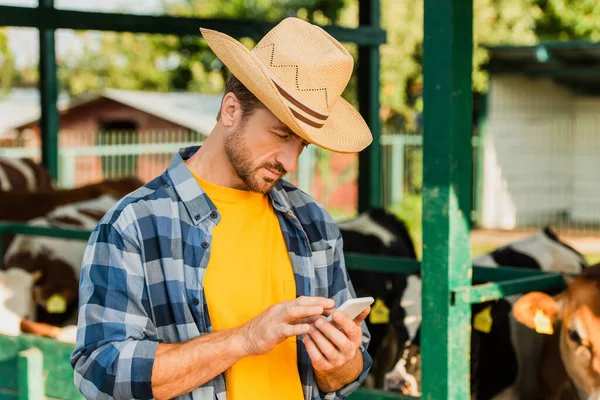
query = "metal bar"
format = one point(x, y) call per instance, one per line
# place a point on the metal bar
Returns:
point(397, 172)
point(369, 161)
point(498, 274)
point(48, 88)
point(498, 290)
point(375, 394)
point(30, 374)
point(447, 188)
point(372, 263)
point(64, 233)
point(181, 26)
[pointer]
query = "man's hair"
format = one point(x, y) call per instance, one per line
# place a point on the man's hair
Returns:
point(248, 101)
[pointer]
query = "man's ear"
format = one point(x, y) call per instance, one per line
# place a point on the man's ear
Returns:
point(230, 107)
point(526, 308)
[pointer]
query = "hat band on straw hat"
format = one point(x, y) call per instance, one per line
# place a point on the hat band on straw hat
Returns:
point(300, 109)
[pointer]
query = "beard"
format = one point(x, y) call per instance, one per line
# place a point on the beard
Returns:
point(238, 154)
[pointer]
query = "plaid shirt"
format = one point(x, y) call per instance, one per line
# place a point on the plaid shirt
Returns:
point(141, 282)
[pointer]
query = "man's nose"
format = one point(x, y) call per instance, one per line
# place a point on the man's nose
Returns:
point(288, 157)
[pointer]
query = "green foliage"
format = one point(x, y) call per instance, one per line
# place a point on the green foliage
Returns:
point(162, 63)
point(569, 19)
point(7, 65)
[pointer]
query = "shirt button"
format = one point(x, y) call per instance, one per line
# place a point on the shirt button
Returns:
point(195, 301)
point(214, 214)
point(205, 245)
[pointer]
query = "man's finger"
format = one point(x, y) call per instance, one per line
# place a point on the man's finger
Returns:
point(323, 302)
point(294, 330)
point(361, 317)
point(327, 349)
point(306, 320)
point(315, 355)
point(349, 328)
point(298, 312)
point(337, 337)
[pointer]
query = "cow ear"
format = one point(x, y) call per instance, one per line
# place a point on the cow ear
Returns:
point(36, 276)
point(530, 305)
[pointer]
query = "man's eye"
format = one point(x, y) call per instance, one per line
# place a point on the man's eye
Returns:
point(283, 136)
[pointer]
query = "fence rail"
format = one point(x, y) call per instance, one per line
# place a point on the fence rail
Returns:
point(88, 157)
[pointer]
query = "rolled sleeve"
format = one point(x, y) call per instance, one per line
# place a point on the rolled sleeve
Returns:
point(342, 292)
point(116, 340)
point(347, 390)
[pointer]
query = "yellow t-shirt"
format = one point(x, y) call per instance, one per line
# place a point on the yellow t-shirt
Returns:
point(249, 270)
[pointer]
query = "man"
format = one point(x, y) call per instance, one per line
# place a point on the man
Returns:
point(213, 280)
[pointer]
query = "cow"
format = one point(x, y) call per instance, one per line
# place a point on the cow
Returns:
point(570, 325)
point(57, 260)
point(23, 175)
point(16, 301)
point(22, 207)
point(503, 354)
point(378, 232)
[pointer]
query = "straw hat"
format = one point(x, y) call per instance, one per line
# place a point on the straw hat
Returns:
point(299, 71)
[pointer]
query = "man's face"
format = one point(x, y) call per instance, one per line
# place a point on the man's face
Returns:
point(262, 150)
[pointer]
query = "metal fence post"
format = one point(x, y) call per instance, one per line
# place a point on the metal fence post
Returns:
point(447, 182)
point(370, 166)
point(30, 374)
point(306, 169)
point(397, 172)
point(49, 95)
point(66, 177)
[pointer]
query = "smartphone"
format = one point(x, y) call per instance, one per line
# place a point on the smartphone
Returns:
point(353, 307)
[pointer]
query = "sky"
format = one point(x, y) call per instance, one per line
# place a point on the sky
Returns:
point(24, 41)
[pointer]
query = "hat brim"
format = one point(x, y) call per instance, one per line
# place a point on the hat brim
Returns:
point(345, 131)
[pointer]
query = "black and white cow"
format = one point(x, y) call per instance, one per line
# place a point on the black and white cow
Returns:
point(56, 260)
point(377, 232)
point(505, 356)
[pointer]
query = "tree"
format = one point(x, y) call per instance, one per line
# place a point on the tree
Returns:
point(7, 64)
point(569, 19)
point(495, 22)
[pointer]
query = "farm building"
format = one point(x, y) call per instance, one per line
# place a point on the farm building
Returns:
point(126, 123)
point(118, 133)
point(541, 137)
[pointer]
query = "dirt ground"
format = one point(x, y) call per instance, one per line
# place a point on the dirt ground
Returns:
point(584, 243)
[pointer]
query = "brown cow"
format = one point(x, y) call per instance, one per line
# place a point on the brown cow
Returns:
point(21, 207)
point(572, 321)
point(23, 175)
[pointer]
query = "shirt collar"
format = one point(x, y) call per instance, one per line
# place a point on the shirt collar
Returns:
point(195, 200)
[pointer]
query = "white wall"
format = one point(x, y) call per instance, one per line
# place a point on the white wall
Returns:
point(586, 161)
point(528, 149)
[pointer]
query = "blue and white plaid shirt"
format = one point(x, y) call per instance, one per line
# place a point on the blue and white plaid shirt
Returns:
point(142, 273)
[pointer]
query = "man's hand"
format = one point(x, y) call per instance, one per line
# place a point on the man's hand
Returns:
point(334, 350)
point(283, 320)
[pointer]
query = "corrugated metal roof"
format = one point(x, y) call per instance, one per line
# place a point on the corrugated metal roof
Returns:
point(575, 64)
point(20, 106)
point(194, 111)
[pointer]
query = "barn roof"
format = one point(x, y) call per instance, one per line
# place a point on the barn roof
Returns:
point(575, 64)
point(194, 111)
point(20, 106)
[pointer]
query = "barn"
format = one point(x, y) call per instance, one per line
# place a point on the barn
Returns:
point(540, 137)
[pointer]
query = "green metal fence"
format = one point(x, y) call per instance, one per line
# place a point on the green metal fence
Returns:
point(32, 367)
point(447, 174)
